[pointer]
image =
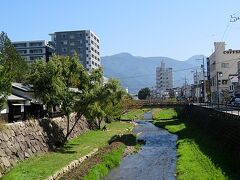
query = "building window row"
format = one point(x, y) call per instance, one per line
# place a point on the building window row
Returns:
point(35, 57)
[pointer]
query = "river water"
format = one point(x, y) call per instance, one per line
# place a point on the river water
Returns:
point(156, 159)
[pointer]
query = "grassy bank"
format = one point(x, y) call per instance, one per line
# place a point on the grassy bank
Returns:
point(109, 161)
point(134, 114)
point(199, 156)
point(42, 166)
point(106, 158)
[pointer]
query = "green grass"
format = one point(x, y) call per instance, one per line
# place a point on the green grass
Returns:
point(42, 166)
point(199, 156)
point(110, 160)
point(165, 113)
point(134, 114)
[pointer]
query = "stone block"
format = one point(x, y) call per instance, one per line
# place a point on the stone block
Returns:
point(5, 137)
point(2, 153)
point(5, 162)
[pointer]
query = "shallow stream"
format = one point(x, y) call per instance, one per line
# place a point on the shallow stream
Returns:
point(155, 160)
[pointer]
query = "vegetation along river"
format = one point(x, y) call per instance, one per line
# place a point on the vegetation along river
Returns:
point(156, 159)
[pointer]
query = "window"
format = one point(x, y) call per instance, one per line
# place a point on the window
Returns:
point(224, 81)
point(80, 41)
point(72, 51)
point(225, 65)
point(72, 36)
point(35, 44)
point(35, 51)
point(20, 45)
point(64, 49)
point(63, 35)
point(22, 51)
point(64, 42)
point(35, 57)
point(72, 43)
point(92, 62)
point(92, 56)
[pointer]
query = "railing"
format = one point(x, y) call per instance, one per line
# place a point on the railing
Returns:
point(159, 102)
point(231, 109)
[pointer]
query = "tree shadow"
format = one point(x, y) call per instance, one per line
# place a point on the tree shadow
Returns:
point(127, 139)
point(55, 136)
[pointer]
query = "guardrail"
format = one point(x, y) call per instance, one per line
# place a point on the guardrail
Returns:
point(221, 107)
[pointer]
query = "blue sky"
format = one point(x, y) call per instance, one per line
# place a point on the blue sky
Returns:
point(173, 28)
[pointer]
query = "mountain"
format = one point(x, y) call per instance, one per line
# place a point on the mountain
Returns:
point(135, 72)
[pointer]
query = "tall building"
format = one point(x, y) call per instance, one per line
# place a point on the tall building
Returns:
point(197, 77)
point(222, 63)
point(83, 42)
point(164, 78)
point(33, 50)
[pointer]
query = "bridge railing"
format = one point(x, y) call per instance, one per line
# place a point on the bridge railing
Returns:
point(159, 102)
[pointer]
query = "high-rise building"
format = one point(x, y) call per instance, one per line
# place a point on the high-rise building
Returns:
point(33, 50)
point(83, 42)
point(164, 78)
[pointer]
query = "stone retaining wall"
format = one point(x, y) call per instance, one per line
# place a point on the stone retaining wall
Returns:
point(21, 140)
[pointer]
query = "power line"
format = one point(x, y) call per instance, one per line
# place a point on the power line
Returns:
point(144, 75)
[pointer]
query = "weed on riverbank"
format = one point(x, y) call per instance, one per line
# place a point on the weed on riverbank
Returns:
point(199, 156)
point(42, 166)
point(106, 158)
point(134, 114)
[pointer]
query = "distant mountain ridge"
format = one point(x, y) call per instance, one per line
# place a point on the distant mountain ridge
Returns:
point(136, 72)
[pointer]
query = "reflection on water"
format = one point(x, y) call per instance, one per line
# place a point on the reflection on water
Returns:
point(156, 159)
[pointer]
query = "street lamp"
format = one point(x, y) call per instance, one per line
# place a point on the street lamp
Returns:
point(219, 74)
point(195, 80)
point(204, 83)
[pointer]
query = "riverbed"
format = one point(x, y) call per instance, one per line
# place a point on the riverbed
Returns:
point(156, 159)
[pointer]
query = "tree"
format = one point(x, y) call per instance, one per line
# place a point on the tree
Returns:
point(53, 82)
point(11, 60)
point(144, 93)
point(171, 93)
point(12, 67)
point(109, 102)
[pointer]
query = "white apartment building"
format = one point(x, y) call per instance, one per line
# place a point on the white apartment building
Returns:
point(164, 78)
point(34, 50)
point(222, 63)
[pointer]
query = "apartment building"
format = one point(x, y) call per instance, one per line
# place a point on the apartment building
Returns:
point(83, 42)
point(34, 50)
point(221, 64)
point(164, 78)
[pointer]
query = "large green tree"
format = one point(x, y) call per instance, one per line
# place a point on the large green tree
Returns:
point(144, 93)
point(108, 104)
point(12, 67)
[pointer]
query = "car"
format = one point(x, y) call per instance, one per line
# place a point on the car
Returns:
point(235, 101)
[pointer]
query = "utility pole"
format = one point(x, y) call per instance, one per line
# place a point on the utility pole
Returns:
point(185, 86)
point(197, 81)
point(204, 83)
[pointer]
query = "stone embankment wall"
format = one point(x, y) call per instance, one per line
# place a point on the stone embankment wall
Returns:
point(22, 140)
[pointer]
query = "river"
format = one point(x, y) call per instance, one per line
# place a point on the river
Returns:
point(156, 159)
